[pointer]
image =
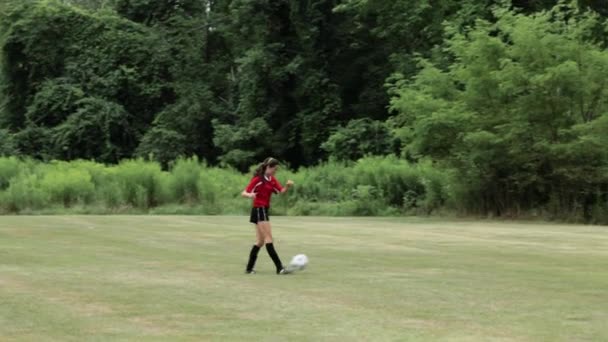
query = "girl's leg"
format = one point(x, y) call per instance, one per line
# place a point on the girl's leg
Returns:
point(253, 255)
point(266, 231)
point(259, 237)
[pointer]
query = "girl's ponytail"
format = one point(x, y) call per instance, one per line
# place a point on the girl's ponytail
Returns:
point(259, 171)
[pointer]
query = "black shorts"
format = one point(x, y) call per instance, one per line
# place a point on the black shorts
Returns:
point(259, 215)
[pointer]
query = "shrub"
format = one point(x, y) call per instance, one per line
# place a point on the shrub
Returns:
point(67, 186)
point(141, 183)
point(371, 186)
point(184, 178)
point(9, 168)
point(219, 191)
point(392, 177)
point(23, 193)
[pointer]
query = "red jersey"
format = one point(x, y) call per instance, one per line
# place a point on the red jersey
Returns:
point(264, 187)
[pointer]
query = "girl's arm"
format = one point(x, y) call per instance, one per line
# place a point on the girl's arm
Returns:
point(248, 194)
point(288, 185)
point(249, 191)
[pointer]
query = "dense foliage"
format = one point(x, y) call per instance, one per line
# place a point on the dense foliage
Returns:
point(190, 186)
point(520, 112)
point(508, 98)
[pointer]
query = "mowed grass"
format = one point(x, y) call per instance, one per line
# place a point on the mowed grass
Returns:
point(147, 278)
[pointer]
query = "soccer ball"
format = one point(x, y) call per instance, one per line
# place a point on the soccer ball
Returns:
point(298, 262)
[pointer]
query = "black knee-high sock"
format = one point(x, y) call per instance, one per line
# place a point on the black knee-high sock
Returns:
point(253, 256)
point(274, 256)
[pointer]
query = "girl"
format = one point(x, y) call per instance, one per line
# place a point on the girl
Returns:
point(260, 189)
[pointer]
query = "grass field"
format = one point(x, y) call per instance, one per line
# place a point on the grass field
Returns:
point(76, 278)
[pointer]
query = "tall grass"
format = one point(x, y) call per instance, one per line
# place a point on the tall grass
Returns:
point(372, 186)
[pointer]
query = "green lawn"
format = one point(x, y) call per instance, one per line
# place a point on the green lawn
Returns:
point(75, 278)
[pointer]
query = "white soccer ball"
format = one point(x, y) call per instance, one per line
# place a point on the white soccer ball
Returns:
point(298, 262)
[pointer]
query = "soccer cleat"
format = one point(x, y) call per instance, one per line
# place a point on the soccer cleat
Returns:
point(249, 272)
point(284, 271)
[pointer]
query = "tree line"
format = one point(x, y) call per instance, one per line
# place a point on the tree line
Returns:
point(509, 96)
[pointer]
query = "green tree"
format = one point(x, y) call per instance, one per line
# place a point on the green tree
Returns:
point(359, 138)
point(162, 144)
point(66, 70)
point(519, 112)
point(188, 28)
point(7, 143)
point(150, 12)
point(279, 80)
point(91, 4)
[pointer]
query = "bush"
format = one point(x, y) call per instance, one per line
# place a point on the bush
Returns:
point(9, 168)
point(326, 182)
point(24, 192)
point(219, 191)
point(184, 178)
point(141, 183)
point(371, 186)
point(394, 178)
point(67, 186)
